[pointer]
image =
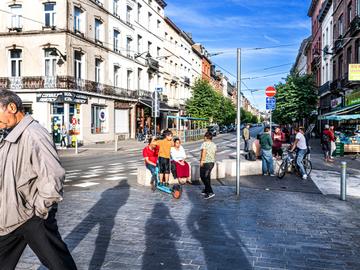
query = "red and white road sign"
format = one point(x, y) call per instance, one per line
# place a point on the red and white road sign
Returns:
point(270, 91)
point(73, 121)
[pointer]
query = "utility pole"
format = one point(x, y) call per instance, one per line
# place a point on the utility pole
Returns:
point(238, 130)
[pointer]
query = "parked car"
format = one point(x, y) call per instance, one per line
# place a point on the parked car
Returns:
point(212, 130)
point(223, 129)
point(231, 128)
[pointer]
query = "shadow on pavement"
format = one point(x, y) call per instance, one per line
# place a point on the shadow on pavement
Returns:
point(103, 213)
point(161, 232)
point(216, 232)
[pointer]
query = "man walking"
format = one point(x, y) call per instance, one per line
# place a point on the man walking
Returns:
point(301, 146)
point(31, 184)
point(326, 138)
point(246, 137)
point(266, 144)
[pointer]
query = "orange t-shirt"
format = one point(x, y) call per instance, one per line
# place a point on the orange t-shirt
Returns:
point(165, 148)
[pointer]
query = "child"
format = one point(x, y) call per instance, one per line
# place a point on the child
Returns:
point(164, 156)
point(207, 161)
point(150, 154)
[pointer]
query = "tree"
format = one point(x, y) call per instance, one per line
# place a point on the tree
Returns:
point(296, 99)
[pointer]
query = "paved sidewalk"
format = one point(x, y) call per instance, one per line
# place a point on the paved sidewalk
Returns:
point(129, 227)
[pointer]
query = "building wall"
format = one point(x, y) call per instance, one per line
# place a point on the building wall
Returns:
point(316, 41)
point(327, 42)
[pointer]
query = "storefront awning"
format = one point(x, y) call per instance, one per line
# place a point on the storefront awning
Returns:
point(340, 112)
point(341, 117)
point(163, 106)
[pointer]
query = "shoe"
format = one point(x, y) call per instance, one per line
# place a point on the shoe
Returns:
point(153, 185)
point(304, 177)
point(272, 175)
point(264, 174)
point(203, 192)
point(209, 196)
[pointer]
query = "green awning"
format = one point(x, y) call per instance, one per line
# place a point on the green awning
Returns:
point(341, 117)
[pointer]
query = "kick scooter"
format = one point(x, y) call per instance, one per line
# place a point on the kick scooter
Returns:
point(175, 191)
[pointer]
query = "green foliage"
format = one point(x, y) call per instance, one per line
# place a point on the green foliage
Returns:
point(207, 103)
point(295, 99)
point(248, 117)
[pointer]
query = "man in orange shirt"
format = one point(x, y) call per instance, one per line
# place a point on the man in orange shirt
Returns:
point(164, 156)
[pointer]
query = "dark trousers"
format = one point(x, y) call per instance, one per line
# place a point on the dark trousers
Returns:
point(246, 148)
point(205, 175)
point(43, 238)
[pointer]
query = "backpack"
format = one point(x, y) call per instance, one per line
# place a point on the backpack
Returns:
point(251, 156)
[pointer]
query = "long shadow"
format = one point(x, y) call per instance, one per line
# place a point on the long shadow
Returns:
point(161, 232)
point(210, 225)
point(103, 213)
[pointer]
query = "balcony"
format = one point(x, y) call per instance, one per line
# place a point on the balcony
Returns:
point(65, 83)
point(355, 26)
point(324, 89)
point(339, 44)
point(187, 81)
point(153, 65)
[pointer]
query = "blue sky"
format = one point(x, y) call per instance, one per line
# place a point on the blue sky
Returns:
point(222, 26)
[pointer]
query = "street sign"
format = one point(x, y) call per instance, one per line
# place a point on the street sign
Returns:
point(73, 121)
point(270, 103)
point(270, 91)
point(159, 89)
point(155, 104)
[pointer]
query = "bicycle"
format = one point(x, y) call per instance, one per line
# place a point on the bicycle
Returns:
point(289, 164)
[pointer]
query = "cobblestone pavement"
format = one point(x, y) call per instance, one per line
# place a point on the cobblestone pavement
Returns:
point(129, 227)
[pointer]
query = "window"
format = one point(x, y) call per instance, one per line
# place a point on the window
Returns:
point(334, 71)
point(327, 36)
point(159, 10)
point(349, 13)
point(128, 14)
point(158, 52)
point(340, 67)
point(139, 78)
point(139, 44)
point(128, 46)
point(116, 76)
point(341, 25)
point(149, 47)
point(348, 57)
point(78, 57)
point(16, 16)
point(49, 9)
point(149, 20)
point(128, 79)
point(357, 51)
point(15, 63)
point(139, 12)
point(116, 40)
point(77, 19)
point(115, 7)
point(98, 119)
point(327, 73)
point(158, 24)
point(98, 25)
point(97, 70)
point(50, 63)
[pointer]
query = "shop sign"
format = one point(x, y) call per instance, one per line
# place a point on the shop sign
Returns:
point(354, 72)
point(336, 102)
point(353, 98)
point(61, 97)
point(102, 115)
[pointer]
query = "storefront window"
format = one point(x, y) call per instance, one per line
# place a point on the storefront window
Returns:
point(98, 119)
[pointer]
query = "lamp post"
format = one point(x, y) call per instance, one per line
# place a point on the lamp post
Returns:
point(238, 130)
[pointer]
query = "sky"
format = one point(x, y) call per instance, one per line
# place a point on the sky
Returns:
point(223, 26)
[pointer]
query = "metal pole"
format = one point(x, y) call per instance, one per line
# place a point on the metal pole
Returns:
point(76, 146)
point(343, 182)
point(270, 121)
point(155, 125)
point(116, 142)
point(238, 130)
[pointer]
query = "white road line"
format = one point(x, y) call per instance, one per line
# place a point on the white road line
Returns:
point(73, 171)
point(90, 176)
point(96, 167)
point(86, 184)
point(116, 178)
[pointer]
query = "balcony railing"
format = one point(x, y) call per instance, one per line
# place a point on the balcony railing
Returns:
point(68, 83)
point(355, 26)
point(339, 44)
point(324, 88)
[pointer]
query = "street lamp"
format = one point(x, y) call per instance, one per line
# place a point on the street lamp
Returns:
point(148, 55)
point(56, 52)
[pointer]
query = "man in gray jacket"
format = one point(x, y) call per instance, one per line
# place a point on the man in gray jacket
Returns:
point(31, 185)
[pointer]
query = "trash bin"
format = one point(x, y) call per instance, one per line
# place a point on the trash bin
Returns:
point(339, 151)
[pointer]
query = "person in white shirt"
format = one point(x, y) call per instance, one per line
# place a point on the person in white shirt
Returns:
point(179, 167)
point(301, 146)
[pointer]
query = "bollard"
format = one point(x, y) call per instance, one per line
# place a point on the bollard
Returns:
point(343, 181)
point(116, 143)
point(76, 147)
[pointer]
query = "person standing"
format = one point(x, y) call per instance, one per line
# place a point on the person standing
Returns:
point(150, 154)
point(301, 147)
point(266, 144)
point(278, 138)
point(326, 143)
point(64, 134)
point(31, 184)
point(246, 137)
point(207, 162)
point(164, 156)
point(332, 142)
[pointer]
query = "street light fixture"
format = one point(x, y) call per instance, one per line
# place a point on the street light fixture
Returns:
point(148, 55)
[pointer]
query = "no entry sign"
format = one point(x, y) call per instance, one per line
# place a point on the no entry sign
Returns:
point(270, 91)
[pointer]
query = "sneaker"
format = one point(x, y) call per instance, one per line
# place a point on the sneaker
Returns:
point(304, 177)
point(153, 185)
point(203, 192)
point(209, 196)
point(272, 175)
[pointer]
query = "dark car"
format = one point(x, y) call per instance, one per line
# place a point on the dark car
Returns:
point(223, 129)
point(212, 130)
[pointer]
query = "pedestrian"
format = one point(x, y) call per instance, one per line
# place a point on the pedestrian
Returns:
point(179, 167)
point(326, 143)
point(207, 161)
point(246, 137)
point(150, 154)
point(164, 156)
point(332, 142)
point(302, 149)
point(64, 134)
point(278, 138)
point(266, 144)
point(31, 184)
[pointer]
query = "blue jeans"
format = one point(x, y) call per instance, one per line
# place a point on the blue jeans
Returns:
point(152, 169)
point(299, 158)
point(267, 161)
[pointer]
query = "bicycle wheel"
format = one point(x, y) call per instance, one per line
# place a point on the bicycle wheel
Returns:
point(282, 170)
point(307, 166)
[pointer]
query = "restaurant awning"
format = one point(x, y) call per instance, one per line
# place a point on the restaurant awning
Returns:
point(163, 106)
point(341, 117)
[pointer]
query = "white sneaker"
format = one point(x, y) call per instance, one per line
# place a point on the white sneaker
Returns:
point(304, 177)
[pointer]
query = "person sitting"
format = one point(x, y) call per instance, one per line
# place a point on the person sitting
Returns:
point(150, 154)
point(180, 169)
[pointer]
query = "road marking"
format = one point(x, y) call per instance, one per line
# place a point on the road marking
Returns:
point(90, 176)
point(86, 184)
point(116, 178)
point(73, 171)
point(96, 167)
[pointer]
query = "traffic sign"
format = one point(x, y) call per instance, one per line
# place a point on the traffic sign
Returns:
point(159, 89)
point(270, 91)
point(73, 121)
point(270, 103)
